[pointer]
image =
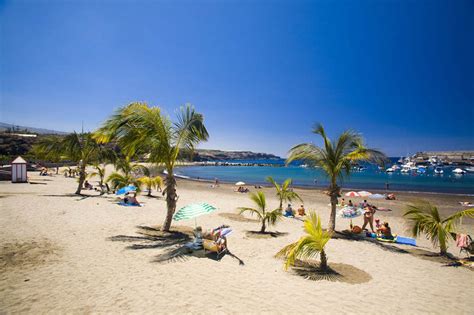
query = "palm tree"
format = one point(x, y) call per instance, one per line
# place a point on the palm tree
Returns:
point(335, 158)
point(308, 246)
point(284, 192)
point(150, 181)
point(124, 176)
point(140, 128)
point(79, 148)
point(265, 217)
point(99, 171)
point(425, 218)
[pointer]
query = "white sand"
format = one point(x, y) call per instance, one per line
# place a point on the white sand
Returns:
point(73, 268)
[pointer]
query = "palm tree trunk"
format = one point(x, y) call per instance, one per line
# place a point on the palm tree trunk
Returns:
point(171, 198)
point(333, 189)
point(262, 230)
point(443, 249)
point(332, 217)
point(82, 178)
point(149, 191)
point(281, 205)
point(324, 261)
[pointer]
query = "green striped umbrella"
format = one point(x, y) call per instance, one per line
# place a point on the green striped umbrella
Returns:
point(193, 211)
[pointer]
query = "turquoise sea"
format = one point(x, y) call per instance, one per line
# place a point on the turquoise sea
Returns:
point(370, 178)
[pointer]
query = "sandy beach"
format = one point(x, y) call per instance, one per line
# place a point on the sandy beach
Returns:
point(58, 257)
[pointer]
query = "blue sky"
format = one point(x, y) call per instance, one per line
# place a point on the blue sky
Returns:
point(261, 72)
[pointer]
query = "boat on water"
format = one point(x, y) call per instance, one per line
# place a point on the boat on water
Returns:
point(459, 171)
point(469, 169)
point(389, 170)
point(421, 170)
point(438, 170)
point(405, 169)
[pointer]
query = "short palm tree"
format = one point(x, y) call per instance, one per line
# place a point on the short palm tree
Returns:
point(150, 181)
point(99, 171)
point(283, 192)
point(425, 219)
point(124, 175)
point(267, 218)
point(80, 148)
point(308, 246)
point(335, 158)
point(140, 128)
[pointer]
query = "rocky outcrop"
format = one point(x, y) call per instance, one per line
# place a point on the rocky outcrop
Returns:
point(218, 155)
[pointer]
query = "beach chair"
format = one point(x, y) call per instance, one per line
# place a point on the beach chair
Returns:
point(212, 246)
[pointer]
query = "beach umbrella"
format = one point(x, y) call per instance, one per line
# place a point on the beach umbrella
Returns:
point(351, 194)
point(364, 193)
point(193, 211)
point(377, 196)
point(350, 212)
point(126, 189)
point(239, 184)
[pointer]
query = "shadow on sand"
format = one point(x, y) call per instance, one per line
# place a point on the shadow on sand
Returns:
point(336, 272)
point(172, 242)
point(258, 234)
point(414, 251)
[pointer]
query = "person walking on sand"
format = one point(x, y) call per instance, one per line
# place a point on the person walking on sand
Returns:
point(369, 218)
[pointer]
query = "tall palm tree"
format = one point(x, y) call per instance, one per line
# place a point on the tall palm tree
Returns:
point(140, 128)
point(267, 218)
point(425, 219)
point(283, 192)
point(150, 181)
point(308, 246)
point(80, 148)
point(335, 158)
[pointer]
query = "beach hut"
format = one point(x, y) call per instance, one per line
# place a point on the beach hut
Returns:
point(19, 170)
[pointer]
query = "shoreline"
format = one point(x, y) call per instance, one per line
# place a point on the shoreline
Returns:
point(319, 188)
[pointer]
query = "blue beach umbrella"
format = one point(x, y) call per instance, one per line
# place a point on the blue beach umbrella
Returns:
point(126, 189)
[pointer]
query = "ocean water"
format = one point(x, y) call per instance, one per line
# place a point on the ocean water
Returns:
point(370, 178)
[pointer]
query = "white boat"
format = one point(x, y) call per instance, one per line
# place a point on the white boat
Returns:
point(459, 171)
point(405, 169)
point(438, 171)
point(389, 170)
point(395, 167)
point(469, 169)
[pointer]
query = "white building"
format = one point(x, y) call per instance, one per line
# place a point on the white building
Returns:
point(19, 174)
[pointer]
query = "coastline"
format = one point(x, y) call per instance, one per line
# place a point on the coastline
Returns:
point(320, 188)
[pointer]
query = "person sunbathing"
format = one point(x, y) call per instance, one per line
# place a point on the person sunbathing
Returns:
point(132, 200)
point(87, 185)
point(301, 211)
point(385, 231)
point(289, 212)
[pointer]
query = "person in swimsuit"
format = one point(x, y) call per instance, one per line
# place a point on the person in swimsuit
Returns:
point(369, 217)
point(385, 231)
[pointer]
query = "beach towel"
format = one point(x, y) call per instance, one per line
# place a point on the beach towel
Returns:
point(121, 203)
point(397, 239)
point(405, 240)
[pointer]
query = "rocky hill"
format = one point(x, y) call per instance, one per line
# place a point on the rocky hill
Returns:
point(219, 155)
